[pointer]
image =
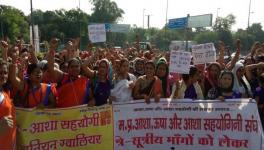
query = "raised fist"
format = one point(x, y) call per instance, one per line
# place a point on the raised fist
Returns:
point(31, 48)
point(221, 44)
point(4, 44)
point(238, 44)
point(54, 43)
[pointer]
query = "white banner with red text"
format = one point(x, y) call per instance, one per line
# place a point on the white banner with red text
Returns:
point(187, 125)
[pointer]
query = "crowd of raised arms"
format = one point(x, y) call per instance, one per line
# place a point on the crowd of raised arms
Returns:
point(96, 77)
point(105, 75)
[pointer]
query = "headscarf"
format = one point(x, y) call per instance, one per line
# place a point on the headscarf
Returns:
point(109, 74)
point(212, 81)
point(229, 89)
point(138, 72)
point(164, 80)
point(245, 88)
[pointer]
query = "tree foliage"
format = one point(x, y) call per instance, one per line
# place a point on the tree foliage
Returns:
point(61, 23)
point(105, 11)
point(246, 39)
point(206, 37)
point(13, 23)
point(256, 30)
point(224, 23)
point(66, 24)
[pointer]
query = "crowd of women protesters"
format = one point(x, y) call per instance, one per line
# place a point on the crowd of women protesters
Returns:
point(104, 75)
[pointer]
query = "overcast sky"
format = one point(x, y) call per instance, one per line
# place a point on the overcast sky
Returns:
point(157, 9)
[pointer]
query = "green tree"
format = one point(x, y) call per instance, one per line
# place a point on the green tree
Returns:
point(105, 11)
point(223, 27)
point(206, 37)
point(48, 23)
point(74, 24)
point(200, 29)
point(163, 38)
point(13, 23)
point(226, 37)
point(62, 24)
point(256, 30)
point(246, 39)
point(224, 23)
point(117, 39)
point(135, 31)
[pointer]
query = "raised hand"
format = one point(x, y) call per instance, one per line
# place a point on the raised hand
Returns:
point(31, 48)
point(54, 44)
point(87, 61)
point(6, 123)
point(238, 45)
point(4, 44)
point(19, 44)
point(221, 45)
point(22, 64)
point(14, 57)
point(76, 43)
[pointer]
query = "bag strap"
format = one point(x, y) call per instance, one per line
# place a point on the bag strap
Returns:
point(65, 79)
point(46, 99)
point(86, 95)
point(24, 94)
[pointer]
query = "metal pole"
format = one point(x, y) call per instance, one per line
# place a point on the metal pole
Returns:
point(80, 23)
point(166, 21)
point(148, 21)
point(249, 11)
point(167, 13)
point(143, 17)
point(186, 33)
point(32, 22)
point(217, 19)
point(217, 13)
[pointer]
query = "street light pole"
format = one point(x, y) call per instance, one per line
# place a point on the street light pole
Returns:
point(217, 19)
point(166, 13)
point(249, 12)
point(143, 17)
point(217, 13)
point(80, 23)
point(166, 21)
point(149, 15)
point(148, 20)
point(32, 23)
